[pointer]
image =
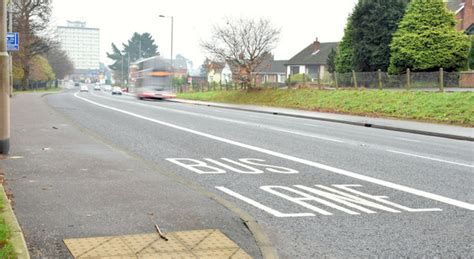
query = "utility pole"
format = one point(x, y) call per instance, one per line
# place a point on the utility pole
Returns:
point(172, 41)
point(10, 29)
point(140, 49)
point(4, 83)
point(123, 73)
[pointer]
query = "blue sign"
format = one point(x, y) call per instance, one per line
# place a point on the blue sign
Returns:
point(13, 41)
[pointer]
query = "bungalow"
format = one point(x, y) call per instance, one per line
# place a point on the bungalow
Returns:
point(271, 72)
point(311, 61)
point(219, 72)
point(464, 11)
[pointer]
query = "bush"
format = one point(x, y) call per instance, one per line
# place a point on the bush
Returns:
point(426, 40)
point(298, 78)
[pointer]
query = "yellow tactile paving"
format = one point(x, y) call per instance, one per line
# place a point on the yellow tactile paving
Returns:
point(209, 243)
point(216, 240)
point(192, 238)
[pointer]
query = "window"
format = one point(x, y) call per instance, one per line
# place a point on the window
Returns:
point(295, 70)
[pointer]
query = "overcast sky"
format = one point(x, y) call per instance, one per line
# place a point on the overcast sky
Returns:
point(300, 21)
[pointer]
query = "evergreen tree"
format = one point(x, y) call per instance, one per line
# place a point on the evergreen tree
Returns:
point(426, 40)
point(140, 46)
point(118, 66)
point(373, 24)
point(471, 54)
point(137, 47)
point(331, 62)
point(344, 53)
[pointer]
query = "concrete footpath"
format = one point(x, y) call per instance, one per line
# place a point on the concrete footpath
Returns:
point(430, 129)
point(68, 183)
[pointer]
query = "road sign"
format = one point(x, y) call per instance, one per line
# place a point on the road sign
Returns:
point(13, 41)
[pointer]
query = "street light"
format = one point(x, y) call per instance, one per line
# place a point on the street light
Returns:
point(172, 28)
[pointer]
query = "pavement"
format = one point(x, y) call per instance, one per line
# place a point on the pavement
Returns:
point(431, 129)
point(316, 188)
point(69, 182)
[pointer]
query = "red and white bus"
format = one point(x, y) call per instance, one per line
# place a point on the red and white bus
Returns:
point(154, 79)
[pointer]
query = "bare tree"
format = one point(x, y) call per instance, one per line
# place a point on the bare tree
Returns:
point(60, 62)
point(243, 44)
point(31, 20)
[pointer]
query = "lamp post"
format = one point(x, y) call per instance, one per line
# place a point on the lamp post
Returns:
point(10, 29)
point(4, 83)
point(172, 39)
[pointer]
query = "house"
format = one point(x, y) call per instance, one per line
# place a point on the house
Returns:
point(464, 11)
point(271, 72)
point(219, 72)
point(311, 61)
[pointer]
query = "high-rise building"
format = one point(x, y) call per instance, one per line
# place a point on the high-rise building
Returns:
point(82, 44)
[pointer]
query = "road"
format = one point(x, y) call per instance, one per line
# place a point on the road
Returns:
point(317, 188)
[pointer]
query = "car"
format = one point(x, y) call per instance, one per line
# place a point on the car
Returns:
point(108, 88)
point(84, 88)
point(116, 90)
point(97, 88)
point(77, 84)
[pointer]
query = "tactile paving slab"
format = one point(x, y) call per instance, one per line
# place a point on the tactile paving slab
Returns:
point(208, 243)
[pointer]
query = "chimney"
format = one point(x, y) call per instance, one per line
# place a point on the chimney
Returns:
point(316, 46)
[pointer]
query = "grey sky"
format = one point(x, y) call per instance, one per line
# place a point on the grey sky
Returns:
point(300, 21)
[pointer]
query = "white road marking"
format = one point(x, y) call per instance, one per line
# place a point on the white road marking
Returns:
point(311, 125)
point(369, 179)
point(293, 132)
point(430, 158)
point(263, 207)
point(407, 140)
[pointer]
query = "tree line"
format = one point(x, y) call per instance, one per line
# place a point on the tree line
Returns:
point(396, 35)
point(40, 57)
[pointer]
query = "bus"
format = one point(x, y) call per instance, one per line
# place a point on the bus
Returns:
point(153, 79)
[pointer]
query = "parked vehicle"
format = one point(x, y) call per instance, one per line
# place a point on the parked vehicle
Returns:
point(116, 90)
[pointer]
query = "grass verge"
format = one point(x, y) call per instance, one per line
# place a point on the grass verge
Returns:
point(39, 90)
point(6, 248)
point(447, 108)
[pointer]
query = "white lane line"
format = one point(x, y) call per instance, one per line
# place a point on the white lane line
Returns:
point(263, 207)
point(311, 125)
point(430, 158)
point(369, 179)
point(408, 140)
point(294, 132)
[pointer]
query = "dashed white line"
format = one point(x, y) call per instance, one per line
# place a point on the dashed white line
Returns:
point(430, 158)
point(328, 168)
point(407, 140)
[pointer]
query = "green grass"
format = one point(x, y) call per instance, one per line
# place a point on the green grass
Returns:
point(448, 108)
point(40, 90)
point(6, 249)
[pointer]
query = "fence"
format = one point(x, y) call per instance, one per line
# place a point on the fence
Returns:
point(428, 81)
point(409, 80)
point(35, 85)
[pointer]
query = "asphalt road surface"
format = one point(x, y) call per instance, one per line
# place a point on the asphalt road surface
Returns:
point(317, 188)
